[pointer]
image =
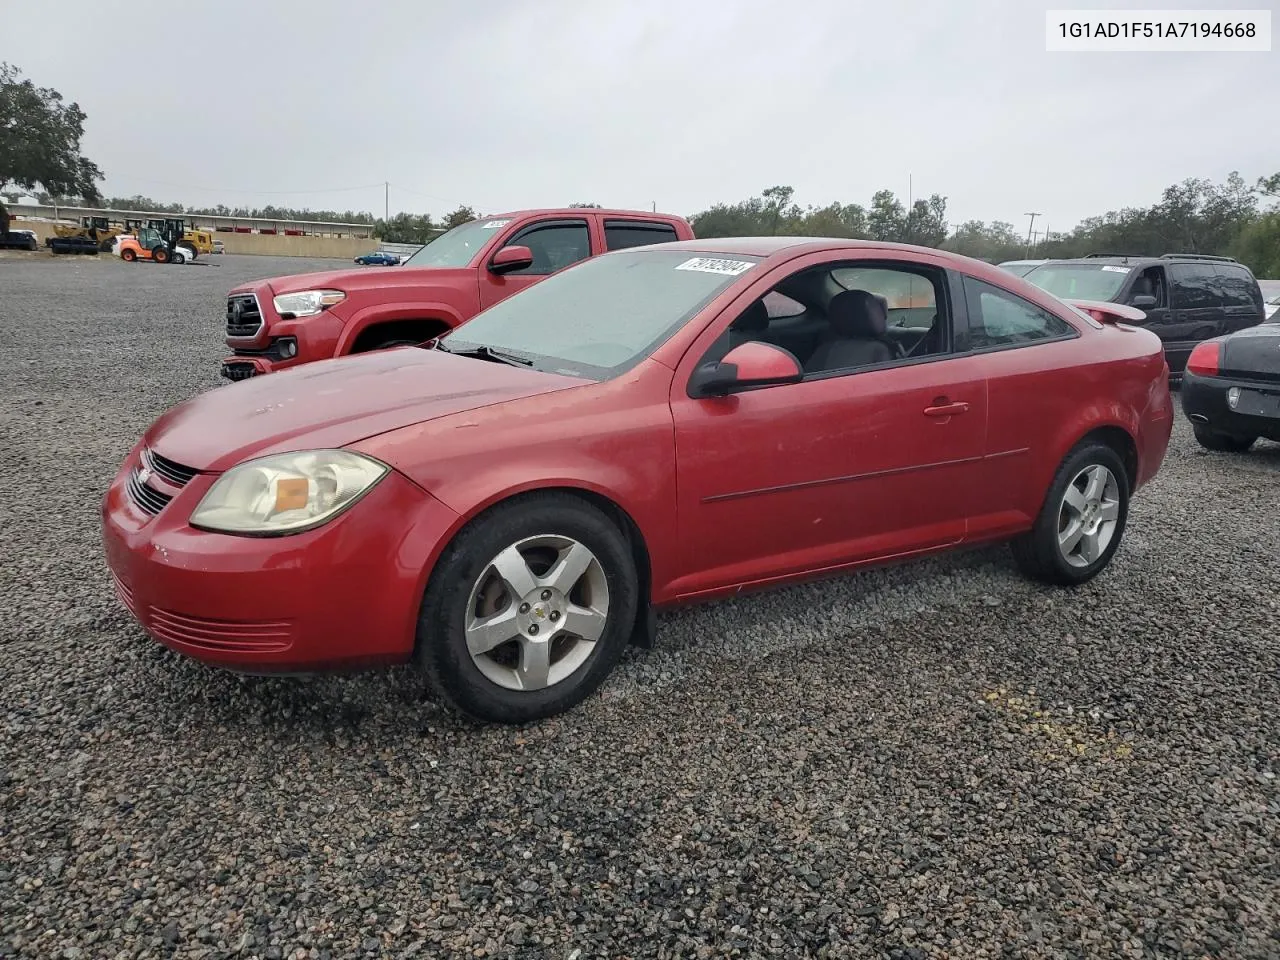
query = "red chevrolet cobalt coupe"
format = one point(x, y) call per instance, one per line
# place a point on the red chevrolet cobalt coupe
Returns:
point(508, 504)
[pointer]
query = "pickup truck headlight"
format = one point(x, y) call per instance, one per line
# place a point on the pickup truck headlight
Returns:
point(286, 493)
point(307, 303)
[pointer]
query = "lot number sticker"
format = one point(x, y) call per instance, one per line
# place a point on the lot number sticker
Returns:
point(494, 224)
point(1117, 269)
point(729, 268)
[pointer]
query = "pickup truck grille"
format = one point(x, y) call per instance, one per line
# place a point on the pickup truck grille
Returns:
point(244, 316)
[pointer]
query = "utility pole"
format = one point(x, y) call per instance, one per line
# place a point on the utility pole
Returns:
point(386, 200)
point(1031, 224)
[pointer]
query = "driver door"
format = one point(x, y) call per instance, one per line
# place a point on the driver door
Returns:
point(555, 244)
point(842, 467)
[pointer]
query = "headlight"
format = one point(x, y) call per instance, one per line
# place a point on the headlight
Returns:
point(286, 493)
point(307, 303)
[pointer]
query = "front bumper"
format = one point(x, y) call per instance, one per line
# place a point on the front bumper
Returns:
point(1204, 402)
point(242, 367)
point(345, 595)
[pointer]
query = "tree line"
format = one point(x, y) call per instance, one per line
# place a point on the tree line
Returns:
point(40, 149)
point(1194, 216)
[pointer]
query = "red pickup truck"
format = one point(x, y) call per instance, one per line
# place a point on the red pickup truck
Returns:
point(285, 321)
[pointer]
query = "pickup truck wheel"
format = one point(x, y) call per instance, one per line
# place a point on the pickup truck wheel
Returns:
point(1080, 525)
point(528, 610)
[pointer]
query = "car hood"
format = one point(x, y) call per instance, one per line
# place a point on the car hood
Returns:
point(357, 278)
point(332, 403)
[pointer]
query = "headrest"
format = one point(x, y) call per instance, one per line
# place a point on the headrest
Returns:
point(857, 313)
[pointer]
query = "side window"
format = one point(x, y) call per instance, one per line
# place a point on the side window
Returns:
point(998, 318)
point(554, 246)
point(1236, 284)
point(1193, 286)
point(621, 234)
point(1151, 283)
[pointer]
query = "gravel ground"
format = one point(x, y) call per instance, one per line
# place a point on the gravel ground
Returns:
point(939, 760)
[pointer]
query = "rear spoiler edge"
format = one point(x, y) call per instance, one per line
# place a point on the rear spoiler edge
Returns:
point(1106, 312)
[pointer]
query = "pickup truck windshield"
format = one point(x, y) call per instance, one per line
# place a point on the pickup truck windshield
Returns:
point(601, 316)
point(1079, 281)
point(458, 246)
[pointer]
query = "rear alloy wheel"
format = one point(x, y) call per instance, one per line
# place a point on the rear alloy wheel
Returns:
point(528, 610)
point(1082, 521)
point(179, 256)
point(1221, 442)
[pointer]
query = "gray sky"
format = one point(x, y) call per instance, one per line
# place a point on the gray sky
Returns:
point(505, 104)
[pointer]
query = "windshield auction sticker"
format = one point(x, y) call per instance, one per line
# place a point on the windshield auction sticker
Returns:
point(729, 268)
point(494, 224)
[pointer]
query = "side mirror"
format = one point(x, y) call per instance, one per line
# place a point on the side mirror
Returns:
point(747, 365)
point(1143, 302)
point(511, 258)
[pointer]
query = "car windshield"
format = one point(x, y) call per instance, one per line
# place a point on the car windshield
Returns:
point(602, 316)
point(457, 247)
point(1079, 281)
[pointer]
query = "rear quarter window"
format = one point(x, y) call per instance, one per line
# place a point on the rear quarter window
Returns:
point(1238, 286)
point(621, 234)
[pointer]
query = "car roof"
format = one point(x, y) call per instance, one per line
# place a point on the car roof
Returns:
point(579, 211)
point(786, 248)
point(1113, 258)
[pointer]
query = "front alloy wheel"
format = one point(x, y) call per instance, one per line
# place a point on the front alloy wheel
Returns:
point(528, 609)
point(536, 612)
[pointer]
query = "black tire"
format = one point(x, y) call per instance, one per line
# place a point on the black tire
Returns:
point(31, 245)
point(441, 643)
point(160, 255)
point(104, 246)
point(1037, 553)
point(1221, 442)
point(128, 255)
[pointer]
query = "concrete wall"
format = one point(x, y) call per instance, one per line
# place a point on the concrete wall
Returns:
point(264, 244)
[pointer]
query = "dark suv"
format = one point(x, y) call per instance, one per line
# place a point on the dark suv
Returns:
point(1187, 297)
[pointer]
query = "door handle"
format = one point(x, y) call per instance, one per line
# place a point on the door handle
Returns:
point(945, 409)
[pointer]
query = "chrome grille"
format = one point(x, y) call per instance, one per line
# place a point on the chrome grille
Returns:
point(244, 315)
point(145, 498)
point(172, 471)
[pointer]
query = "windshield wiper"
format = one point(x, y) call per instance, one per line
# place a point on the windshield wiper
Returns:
point(485, 352)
